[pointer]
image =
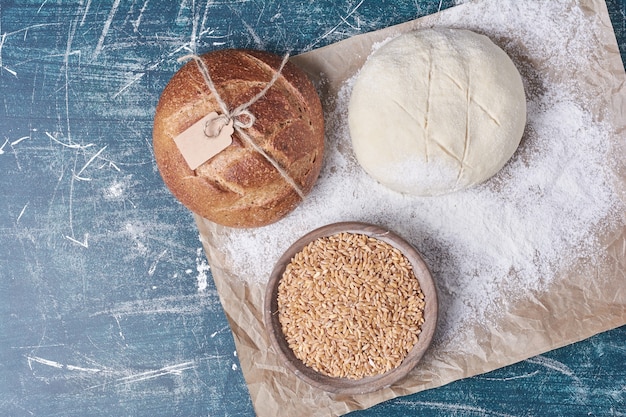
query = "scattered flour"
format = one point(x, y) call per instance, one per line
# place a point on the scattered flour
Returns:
point(137, 231)
point(489, 245)
point(115, 191)
point(203, 268)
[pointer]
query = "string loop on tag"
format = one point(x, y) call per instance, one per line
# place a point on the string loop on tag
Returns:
point(242, 117)
point(213, 127)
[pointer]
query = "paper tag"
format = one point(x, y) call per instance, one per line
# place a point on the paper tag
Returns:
point(197, 146)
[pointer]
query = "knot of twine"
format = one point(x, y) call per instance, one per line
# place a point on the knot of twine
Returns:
point(241, 117)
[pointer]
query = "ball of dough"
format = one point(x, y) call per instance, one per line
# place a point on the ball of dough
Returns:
point(436, 111)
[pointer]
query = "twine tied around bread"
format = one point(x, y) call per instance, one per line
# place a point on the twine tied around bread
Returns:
point(241, 117)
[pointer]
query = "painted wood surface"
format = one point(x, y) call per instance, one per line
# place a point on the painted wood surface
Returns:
point(107, 304)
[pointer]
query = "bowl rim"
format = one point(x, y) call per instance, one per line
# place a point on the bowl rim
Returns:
point(369, 383)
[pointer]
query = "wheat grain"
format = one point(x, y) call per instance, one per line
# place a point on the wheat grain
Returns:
point(350, 306)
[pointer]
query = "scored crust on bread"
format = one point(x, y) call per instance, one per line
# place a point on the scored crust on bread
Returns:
point(238, 187)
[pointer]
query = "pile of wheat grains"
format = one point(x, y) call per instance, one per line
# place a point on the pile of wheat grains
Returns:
point(350, 306)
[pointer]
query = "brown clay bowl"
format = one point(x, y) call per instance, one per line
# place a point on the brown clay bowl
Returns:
point(348, 385)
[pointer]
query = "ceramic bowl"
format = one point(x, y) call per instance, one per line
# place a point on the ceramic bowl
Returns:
point(348, 385)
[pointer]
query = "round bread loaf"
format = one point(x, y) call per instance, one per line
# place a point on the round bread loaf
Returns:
point(239, 187)
point(436, 111)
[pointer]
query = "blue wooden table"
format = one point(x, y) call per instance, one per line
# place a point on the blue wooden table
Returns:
point(107, 304)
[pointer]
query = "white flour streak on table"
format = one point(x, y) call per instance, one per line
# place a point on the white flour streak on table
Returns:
point(105, 28)
point(202, 267)
point(452, 408)
point(188, 305)
point(491, 245)
point(344, 20)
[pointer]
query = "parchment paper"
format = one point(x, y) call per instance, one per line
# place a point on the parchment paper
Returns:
point(584, 300)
